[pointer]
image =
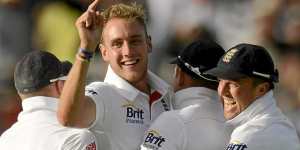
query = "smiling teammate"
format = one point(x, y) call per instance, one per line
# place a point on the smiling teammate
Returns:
point(246, 74)
point(131, 97)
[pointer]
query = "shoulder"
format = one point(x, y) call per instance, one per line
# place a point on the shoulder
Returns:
point(98, 88)
point(167, 122)
point(98, 85)
point(165, 133)
point(169, 117)
point(267, 124)
point(274, 134)
point(198, 112)
point(189, 113)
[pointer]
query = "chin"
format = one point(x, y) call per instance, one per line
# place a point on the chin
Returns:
point(133, 78)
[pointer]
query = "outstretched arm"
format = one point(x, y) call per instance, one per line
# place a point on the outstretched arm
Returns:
point(75, 109)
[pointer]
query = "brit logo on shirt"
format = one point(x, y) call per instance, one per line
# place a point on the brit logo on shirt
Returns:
point(134, 115)
point(236, 145)
point(153, 140)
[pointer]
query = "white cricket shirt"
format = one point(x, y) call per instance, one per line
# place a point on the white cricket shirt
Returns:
point(198, 124)
point(123, 112)
point(262, 126)
point(37, 128)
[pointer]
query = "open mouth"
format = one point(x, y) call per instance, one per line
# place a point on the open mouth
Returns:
point(229, 102)
point(131, 62)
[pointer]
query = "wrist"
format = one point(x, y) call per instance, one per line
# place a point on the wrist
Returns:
point(87, 47)
point(85, 54)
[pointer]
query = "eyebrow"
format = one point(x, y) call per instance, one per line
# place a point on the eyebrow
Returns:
point(136, 36)
point(130, 37)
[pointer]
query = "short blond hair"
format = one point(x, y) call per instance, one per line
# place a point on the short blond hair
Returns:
point(131, 11)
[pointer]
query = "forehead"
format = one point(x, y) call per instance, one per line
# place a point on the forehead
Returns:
point(242, 81)
point(122, 28)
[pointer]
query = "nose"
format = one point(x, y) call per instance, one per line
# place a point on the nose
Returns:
point(127, 50)
point(223, 88)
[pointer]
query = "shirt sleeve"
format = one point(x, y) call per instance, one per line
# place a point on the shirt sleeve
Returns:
point(166, 133)
point(94, 91)
point(83, 140)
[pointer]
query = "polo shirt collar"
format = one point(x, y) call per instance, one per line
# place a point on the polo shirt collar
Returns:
point(37, 107)
point(40, 102)
point(130, 92)
point(194, 95)
point(157, 84)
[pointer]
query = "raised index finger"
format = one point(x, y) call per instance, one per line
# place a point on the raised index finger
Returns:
point(93, 6)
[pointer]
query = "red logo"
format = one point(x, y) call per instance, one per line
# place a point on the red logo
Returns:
point(91, 146)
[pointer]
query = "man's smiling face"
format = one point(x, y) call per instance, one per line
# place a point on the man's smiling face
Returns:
point(236, 95)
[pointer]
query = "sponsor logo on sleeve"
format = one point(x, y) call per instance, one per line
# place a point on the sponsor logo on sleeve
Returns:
point(91, 146)
point(236, 145)
point(134, 115)
point(153, 140)
point(92, 92)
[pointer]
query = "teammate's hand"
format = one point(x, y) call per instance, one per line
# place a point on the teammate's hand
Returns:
point(89, 26)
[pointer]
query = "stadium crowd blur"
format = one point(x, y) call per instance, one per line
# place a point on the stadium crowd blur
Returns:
point(26, 25)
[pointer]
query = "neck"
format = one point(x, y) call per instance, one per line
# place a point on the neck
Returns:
point(48, 91)
point(143, 86)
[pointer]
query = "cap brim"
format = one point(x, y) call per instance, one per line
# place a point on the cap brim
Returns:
point(225, 73)
point(63, 78)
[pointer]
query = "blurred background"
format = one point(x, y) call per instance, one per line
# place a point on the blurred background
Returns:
point(27, 25)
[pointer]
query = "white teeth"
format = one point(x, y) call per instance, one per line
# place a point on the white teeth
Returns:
point(229, 102)
point(131, 62)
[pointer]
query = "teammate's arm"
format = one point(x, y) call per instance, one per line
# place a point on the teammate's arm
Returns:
point(75, 109)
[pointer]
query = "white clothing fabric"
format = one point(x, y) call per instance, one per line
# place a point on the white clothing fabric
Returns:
point(123, 112)
point(262, 126)
point(197, 124)
point(37, 128)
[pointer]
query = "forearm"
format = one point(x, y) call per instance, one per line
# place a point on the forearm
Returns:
point(72, 100)
point(74, 108)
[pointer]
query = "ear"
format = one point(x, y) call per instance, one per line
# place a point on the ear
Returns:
point(177, 81)
point(262, 88)
point(104, 52)
point(179, 76)
point(59, 85)
point(149, 43)
point(176, 69)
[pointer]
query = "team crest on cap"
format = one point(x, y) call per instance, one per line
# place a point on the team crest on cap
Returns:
point(228, 56)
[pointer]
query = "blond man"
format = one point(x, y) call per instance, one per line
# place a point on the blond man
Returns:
point(131, 97)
